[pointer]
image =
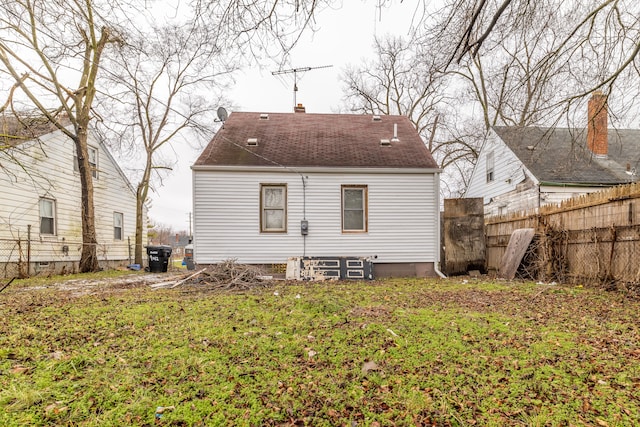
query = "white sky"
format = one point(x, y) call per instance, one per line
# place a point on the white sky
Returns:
point(345, 37)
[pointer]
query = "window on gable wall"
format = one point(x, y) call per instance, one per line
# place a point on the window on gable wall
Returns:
point(354, 208)
point(490, 162)
point(93, 161)
point(47, 216)
point(118, 221)
point(273, 208)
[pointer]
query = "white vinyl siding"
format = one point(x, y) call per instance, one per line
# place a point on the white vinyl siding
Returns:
point(506, 171)
point(402, 217)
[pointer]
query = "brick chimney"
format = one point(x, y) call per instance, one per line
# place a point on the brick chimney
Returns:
point(299, 109)
point(597, 124)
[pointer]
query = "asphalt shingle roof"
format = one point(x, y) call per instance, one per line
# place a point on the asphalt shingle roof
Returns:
point(316, 140)
point(560, 155)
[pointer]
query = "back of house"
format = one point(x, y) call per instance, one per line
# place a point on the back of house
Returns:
point(272, 186)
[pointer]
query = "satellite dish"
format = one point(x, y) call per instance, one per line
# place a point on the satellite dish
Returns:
point(222, 114)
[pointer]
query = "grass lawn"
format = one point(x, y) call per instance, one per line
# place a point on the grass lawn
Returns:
point(384, 353)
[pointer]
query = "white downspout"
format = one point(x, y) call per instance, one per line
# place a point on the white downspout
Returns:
point(436, 264)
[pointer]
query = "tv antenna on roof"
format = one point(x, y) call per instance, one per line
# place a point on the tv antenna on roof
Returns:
point(295, 72)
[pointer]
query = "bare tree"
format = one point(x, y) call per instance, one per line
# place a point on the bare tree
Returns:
point(406, 79)
point(168, 80)
point(261, 29)
point(52, 50)
point(596, 43)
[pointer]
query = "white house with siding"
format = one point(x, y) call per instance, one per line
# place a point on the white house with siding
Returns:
point(273, 186)
point(40, 203)
point(524, 168)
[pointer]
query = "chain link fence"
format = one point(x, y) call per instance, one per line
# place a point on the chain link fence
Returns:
point(28, 257)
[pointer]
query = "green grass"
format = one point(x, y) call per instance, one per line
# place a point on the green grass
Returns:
point(443, 353)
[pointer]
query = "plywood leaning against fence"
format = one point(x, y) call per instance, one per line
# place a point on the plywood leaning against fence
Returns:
point(591, 239)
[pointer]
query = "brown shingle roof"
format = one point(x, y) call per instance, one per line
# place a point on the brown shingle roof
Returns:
point(316, 140)
point(15, 129)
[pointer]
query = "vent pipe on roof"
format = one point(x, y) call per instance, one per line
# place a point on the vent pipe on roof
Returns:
point(252, 141)
point(395, 133)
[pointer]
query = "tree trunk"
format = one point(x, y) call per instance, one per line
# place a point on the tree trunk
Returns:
point(142, 192)
point(139, 228)
point(89, 254)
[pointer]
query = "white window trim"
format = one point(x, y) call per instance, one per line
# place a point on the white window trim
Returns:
point(53, 218)
point(490, 164)
point(116, 227)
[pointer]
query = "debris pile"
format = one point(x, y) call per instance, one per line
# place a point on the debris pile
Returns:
point(228, 275)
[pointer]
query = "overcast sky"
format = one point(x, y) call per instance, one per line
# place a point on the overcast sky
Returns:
point(345, 37)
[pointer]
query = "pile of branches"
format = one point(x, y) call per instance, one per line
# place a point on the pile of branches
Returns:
point(228, 275)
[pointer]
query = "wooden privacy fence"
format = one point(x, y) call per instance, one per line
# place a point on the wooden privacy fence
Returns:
point(590, 239)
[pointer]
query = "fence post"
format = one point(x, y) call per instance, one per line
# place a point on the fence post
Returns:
point(29, 250)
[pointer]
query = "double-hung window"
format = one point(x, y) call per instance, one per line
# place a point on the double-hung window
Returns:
point(490, 164)
point(93, 161)
point(354, 208)
point(47, 216)
point(118, 221)
point(273, 208)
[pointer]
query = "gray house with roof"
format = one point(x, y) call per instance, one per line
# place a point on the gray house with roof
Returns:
point(270, 186)
point(523, 168)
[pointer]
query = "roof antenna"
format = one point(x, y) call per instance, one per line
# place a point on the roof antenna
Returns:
point(295, 72)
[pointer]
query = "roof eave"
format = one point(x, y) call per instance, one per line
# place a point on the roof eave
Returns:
point(316, 169)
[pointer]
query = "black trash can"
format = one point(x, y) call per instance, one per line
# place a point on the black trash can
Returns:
point(158, 258)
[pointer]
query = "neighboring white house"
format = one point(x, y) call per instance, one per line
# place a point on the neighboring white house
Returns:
point(40, 204)
point(270, 186)
point(522, 168)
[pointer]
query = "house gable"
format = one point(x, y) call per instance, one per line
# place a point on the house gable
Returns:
point(44, 169)
point(508, 170)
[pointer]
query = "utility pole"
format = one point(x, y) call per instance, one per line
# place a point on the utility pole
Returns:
point(295, 72)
